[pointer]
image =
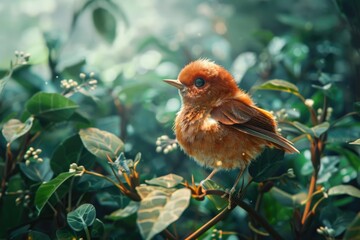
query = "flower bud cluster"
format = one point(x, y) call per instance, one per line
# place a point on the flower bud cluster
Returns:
point(32, 155)
point(165, 144)
point(281, 114)
point(67, 84)
point(71, 85)
point(329, 112)
point(23, 199)
point(78, 169)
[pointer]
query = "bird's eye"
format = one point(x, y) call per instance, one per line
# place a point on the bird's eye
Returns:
point(199, 82)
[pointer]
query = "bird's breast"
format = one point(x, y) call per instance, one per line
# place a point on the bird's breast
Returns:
point(211, 143)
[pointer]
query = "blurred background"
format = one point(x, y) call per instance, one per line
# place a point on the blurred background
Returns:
point(130, 46)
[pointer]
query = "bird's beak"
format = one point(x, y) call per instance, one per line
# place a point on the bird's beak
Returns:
point(175, 83)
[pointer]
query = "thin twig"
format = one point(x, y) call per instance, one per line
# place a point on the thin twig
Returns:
point(236, 201)
point(210, 223)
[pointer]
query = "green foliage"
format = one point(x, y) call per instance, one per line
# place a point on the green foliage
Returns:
point(14, 129)
point(46, 190)
point(101, 143)
point(69, 150)
point(51, 106)
point(82, 217)
point(159, 209)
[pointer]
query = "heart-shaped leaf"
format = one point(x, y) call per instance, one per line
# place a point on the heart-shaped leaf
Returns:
point(159, 209)
point(46, 190)
point(168, 181)
point(51, 106)
point(101, 143)
point(82, 217)
point(14, 128)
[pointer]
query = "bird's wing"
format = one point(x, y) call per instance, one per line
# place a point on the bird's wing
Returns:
point(251, 120)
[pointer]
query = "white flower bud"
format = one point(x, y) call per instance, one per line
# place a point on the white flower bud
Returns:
point(158, 149)
point(309, 102)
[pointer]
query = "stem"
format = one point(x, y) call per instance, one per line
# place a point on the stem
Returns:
point(123, 115)
point(87, 233)
point(257, 217)
point(70, 194)
point(257, 208)
point(52, 208)
point(8, 158)
point(310, 195)
point(119, 185)
point(210, 223)
point(168, 234)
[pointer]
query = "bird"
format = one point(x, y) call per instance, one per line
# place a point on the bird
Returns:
point(218, 124)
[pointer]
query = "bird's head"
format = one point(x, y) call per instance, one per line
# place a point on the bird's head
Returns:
point(203, 83)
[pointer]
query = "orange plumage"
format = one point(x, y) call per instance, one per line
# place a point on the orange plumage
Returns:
point(218, 124)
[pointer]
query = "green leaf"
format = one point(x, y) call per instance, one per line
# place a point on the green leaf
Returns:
point(101, 143)
point(70, 151)
point(218, 201)
point(328, 89)
point(46, 190)
point(318, 130)
point(105, 24)
point(356, 142)
point(14, 128)
point(121, 213)
point(303, 128)
point(82, 217)
point(37, 171)
point(344, 189)
point(287, 199)
point(293, 21)
point(97, 229)
point(279, 85)
point(35, 235)
point(159, 209)
point(353, 231)
point(65, 234)
point(51, 106)
point(167, 181)
point(266, 165)
point(145, 190)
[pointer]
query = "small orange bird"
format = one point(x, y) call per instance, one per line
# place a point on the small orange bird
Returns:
point(218, 124)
